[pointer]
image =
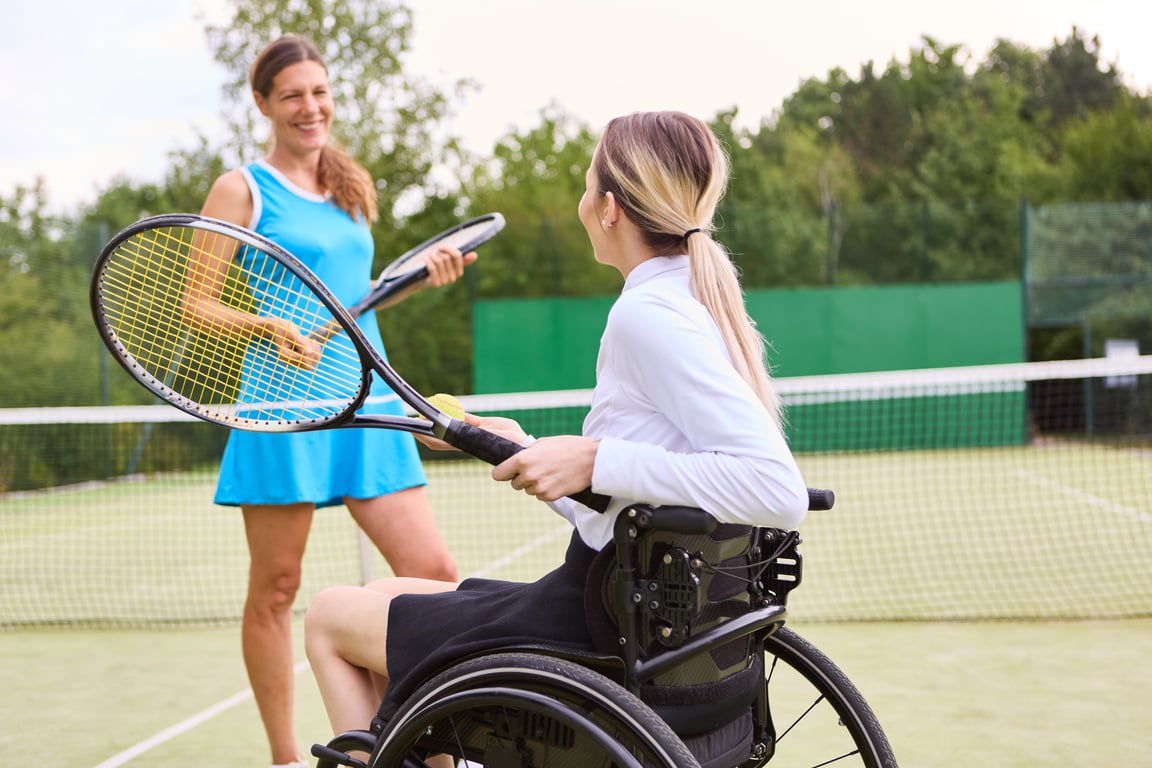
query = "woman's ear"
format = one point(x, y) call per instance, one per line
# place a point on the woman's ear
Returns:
point(261, 102)
point(611, 210)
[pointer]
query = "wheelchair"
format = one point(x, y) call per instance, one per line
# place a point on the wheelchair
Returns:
point(694, 668)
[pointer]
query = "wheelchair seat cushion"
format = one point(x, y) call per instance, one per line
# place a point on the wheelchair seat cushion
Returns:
point(693, 710)
point(429, 632)
point(728, 745)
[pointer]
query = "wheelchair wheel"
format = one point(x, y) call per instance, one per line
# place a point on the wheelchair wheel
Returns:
point(528, 710)
point(817, 713)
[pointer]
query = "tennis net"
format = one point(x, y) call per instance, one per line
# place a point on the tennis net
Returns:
point(993, 492)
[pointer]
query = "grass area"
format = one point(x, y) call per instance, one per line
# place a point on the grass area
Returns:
point(921, 539)
point(1049, 531)
point(1008, 694)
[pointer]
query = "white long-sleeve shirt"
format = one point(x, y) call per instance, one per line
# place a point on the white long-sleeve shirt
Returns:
point(676, 423)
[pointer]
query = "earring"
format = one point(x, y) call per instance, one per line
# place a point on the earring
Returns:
point(607, 224)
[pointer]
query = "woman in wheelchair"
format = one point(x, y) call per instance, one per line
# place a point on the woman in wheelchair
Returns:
point(684, 414)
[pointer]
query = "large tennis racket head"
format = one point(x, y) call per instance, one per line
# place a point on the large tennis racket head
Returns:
point(144, 287)
point(411, 267)
point(185, 302)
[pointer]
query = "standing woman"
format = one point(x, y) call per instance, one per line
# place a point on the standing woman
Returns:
point(318, 204)
point(683, 413)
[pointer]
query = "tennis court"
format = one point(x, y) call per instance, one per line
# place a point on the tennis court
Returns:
point(950, 693)
point(1035, 532)
point(990, 597)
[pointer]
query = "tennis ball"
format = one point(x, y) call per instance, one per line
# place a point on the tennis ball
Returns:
point(449, 404)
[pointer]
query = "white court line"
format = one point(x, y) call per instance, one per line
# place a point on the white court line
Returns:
point(1087, 498)
point(186, 725)
point(522, 550)
point(183, 727)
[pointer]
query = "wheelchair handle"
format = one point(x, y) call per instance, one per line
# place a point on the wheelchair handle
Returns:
point(670, 518)
point(820, 499)
point(677, 519)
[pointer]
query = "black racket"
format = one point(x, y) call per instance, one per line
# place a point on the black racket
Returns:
point(410, 267)
point(223, 324)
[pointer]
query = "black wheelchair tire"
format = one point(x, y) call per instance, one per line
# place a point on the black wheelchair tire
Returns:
point(869, 744)
point(580, 712)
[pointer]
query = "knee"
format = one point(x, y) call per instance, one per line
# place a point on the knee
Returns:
point(321, 617)
point(426, 565)
point(444, 569)
point(274, 592)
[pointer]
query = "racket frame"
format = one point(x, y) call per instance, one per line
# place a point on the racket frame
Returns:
point(387, 286)
point(473, 440)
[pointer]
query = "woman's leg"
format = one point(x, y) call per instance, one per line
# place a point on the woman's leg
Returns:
point(403, 528)
point(346, 638)
point(276, 539)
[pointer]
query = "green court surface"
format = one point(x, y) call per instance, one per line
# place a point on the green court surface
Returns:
point(1048, 531)
point(952, 608)
point(1004, 694)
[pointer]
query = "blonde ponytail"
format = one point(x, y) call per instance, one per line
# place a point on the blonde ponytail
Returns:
point(717, 287)
point(669, 172)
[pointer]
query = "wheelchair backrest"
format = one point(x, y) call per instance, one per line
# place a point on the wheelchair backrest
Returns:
point(677, 584)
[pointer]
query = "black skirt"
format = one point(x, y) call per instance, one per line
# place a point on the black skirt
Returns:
point(426, 633)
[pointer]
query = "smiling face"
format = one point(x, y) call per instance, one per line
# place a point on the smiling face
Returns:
point(299, 105)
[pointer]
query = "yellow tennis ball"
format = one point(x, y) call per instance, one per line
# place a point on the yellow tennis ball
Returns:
point(449, 404)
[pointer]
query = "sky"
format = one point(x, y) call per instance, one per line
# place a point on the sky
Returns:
point(101, 90)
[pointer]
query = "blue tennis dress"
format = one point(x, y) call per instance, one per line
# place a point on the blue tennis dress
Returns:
point(325, 466)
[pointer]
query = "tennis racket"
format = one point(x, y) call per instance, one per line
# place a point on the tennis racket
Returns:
point(410, 267)
point(221, 323)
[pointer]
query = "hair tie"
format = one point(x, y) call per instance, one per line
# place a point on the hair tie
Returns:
point(689, 233)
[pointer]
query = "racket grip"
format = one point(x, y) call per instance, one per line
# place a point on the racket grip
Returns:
point(494, 449)
point(820, 499)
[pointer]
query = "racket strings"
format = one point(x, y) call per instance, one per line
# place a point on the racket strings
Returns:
point(230, 374)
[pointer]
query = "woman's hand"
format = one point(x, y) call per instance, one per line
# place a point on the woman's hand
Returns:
point(551, 467)
point(446, 265)
point(509, 429)
point(292, 346)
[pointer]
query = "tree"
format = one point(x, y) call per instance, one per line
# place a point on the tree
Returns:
point(1076, 83)
point(46, 354)
point(1107, 154)
point(781, 217)
point(536, 179)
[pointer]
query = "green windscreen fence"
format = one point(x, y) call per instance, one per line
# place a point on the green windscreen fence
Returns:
point(551, 344)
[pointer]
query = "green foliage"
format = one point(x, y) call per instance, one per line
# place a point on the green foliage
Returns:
point(914, 170)
point(536, 180)
point(44, 358)
point(1108, 153)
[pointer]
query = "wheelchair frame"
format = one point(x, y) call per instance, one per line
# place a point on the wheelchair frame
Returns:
point(545, 707)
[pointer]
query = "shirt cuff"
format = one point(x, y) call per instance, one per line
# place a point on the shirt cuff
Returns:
point(612, 471)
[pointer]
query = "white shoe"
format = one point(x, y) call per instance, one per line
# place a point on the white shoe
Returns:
point(301, 763)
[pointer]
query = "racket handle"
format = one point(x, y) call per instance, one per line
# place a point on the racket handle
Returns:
point(591, 499)
point(494, 449)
